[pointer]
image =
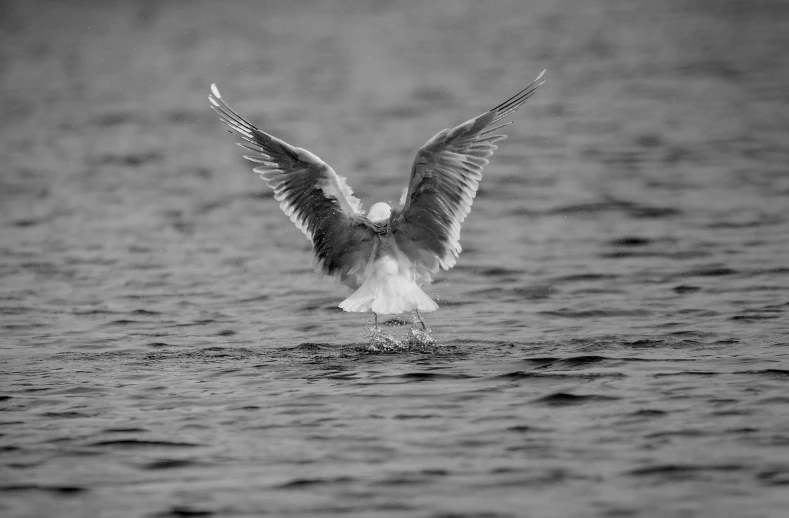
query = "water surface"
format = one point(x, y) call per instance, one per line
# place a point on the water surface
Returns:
point(613, 339)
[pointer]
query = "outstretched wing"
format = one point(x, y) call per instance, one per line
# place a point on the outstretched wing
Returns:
point(315, 198)
point(444, 181)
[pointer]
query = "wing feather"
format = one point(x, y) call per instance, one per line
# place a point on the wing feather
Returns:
point(309, 192)
point(444, 181)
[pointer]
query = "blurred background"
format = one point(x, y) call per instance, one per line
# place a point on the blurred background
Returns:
point(637, 213)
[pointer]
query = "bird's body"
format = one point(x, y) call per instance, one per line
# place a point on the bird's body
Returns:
point(385, 256)
point(390, 282)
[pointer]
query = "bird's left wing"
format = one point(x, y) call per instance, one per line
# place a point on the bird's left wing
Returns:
point(315, 198)
point(444, 181)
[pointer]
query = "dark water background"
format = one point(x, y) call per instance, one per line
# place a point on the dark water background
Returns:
point(615, 333)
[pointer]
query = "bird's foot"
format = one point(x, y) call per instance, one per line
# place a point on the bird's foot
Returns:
point(381, 342)
point(420, 339)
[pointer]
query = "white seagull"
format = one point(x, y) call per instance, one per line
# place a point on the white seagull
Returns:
point(386, 255)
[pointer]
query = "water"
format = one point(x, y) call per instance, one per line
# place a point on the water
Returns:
point(613, 341)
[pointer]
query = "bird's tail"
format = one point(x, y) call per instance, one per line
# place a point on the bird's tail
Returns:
point(389, 294)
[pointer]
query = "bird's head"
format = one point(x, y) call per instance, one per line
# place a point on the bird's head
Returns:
point(379, 212)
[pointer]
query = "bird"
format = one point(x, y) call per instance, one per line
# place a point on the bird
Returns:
point(386, 255)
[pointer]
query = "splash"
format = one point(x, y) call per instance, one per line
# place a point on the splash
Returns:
point(419, 338)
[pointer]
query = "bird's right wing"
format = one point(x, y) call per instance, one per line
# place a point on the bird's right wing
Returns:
point(315, 198)
point(444, 181)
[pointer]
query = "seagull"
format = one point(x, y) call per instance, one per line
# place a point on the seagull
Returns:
point(387, 255)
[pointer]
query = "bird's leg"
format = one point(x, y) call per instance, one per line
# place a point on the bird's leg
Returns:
point(417, 338)
point(378, 341)
point(421, 322)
